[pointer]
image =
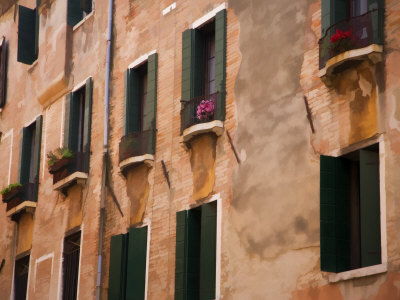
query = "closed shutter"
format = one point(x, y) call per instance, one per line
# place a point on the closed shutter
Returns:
point(74, 14)
point(326, 21)
point(136, 272)
point(220, 63)
point(87, 125)
point(208, 250)
point(193, 253)
point(86, 6)
point(370, 209)
point(117, 276)
point(187, 58)
point(27, 53)
point(334, 214)
point(71, 122)
point(36, 155)
point(24, 155)
point(150, 107)
point(181, 256)
point(3, 72)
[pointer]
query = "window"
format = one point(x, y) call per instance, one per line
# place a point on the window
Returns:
point(72, 248)
point(3, 71)
point(208, 33)
point(358, 7)
point(195, 260)
point(28, 35)
point(77, 127)
point(128, 264)
point(21, 277)
point(350, 211)
point(30, 157)
point(78, 10)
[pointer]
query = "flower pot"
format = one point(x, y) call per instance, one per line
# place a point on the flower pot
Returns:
point(59, 165)
point(7, 197)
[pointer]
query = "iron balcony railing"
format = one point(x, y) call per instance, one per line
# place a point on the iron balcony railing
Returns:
point(136, 144)
point(359, 32)
point(28, 192)
point(78, 163)
point(200, 110)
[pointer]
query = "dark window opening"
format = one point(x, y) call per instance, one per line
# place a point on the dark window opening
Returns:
point(21, 278)
point(72, 247)
point(78, 10)
point(208, 38)
point(28, 35)
point(32, 173)
point(80, 98)
point(3, 71)
point(142, 74)
point(358, 7)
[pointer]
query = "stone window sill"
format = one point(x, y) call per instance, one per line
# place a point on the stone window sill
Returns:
point(215, 126)
point(146, 158)
point(77, 177)
point(357, 273)
point(20, 207)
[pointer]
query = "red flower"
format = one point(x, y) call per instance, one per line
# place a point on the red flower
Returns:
point(340, 35)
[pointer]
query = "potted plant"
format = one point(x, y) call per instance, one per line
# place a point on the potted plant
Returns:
point(11, 191)
point(340, 41)
point(59, 159)
point(205, 110)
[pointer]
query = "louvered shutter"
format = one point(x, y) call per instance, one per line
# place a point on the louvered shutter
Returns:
point(181, 256)
point(220, 63)
point(3, 72)
point(334, 214)
point(150, 107)
point(36, 155)
point(117, 274)
point(136, 272)
point(326, 21)
point(27, 53)
point(74, 14)
point(208, 250)
point(370, 209)
point(87, 125)
point(86, 6)
point(187, 62)
point(71, 122)
point(24, 155)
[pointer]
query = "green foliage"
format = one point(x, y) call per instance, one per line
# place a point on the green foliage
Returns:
point(9, 188)
point(59, 153)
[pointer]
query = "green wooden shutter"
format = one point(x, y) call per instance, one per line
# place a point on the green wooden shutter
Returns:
point(136, 272)
point(326, 20)
point(370, 209)
point(197, 64)
point(3, 72)
point(334, 214)
point(132, 108)
point(74, 14)
point(127, 101)
point(187, 63)
point(24, 155)
point(117, 276)
point(87, 125)
point(220, 63)
point(71, 122)
point(150, 107)
point(180, 256)
point(26, 35)
point(86, 6)
point(36, 154)
point(37, 29)
point(208, 250)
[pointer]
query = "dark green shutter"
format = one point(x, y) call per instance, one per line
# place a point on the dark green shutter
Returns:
point(136, 272)
point(377, 20)
point(24, 155)
point(181, 256)
point(86, 6)
point(375, 4)
point(326, 20)
point(36, 154)
point(117, 276)
point(334, 214)
point(87, 125)
point(71, 122)
point(150, 107)
point(27, 53)
point(220, 63)
point(370, 209)
point(3, 72)
point(208, 250)
point(341, 11)
point(187, 64)
point(37, 29)
point(74, 14)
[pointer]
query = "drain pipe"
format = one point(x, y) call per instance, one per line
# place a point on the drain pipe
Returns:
point(105, 151)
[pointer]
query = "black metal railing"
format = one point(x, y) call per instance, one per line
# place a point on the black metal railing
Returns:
point(136, 144)
point(192, 113)
point(28, 192)
point(360, 32)
point(78, 163)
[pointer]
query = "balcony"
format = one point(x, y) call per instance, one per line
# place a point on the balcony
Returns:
point(363, 40)
point(137, 147)
point(197, 120)
point(22, 199)
point(74, 170)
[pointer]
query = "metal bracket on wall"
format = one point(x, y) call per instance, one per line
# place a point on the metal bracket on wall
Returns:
point(233, 147)
point(309, 115)
point(166, 175)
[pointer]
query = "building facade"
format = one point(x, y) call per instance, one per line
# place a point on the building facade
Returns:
point(199, 149)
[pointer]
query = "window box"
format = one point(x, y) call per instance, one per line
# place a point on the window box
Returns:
point(21, 199)
point(14, 192)
point(364, 36)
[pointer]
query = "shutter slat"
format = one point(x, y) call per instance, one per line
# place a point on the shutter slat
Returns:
point(117, 273)
point(87, 125)
point(26, 35)
point(208, 250)
point(370, 209)
point(75, 14)
point(150, 108)
point(220, 63)
point(136, 271)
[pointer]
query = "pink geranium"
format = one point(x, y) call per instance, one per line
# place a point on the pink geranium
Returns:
point(205, 110)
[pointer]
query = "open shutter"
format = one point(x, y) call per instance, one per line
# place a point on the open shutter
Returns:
point(326, 21)
point(187, 63)
point(117, 276)
point(136, 273)
point(87, 125)
point(86, 6)
point(74, 15)
point(27, 53)
point(150, 107)
point(3, 72)
point(208, 250)
point(71, 122)
point(36, 155)
point(220, 63)
point(24, 155)
point(334, 214)
point(370, 209)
